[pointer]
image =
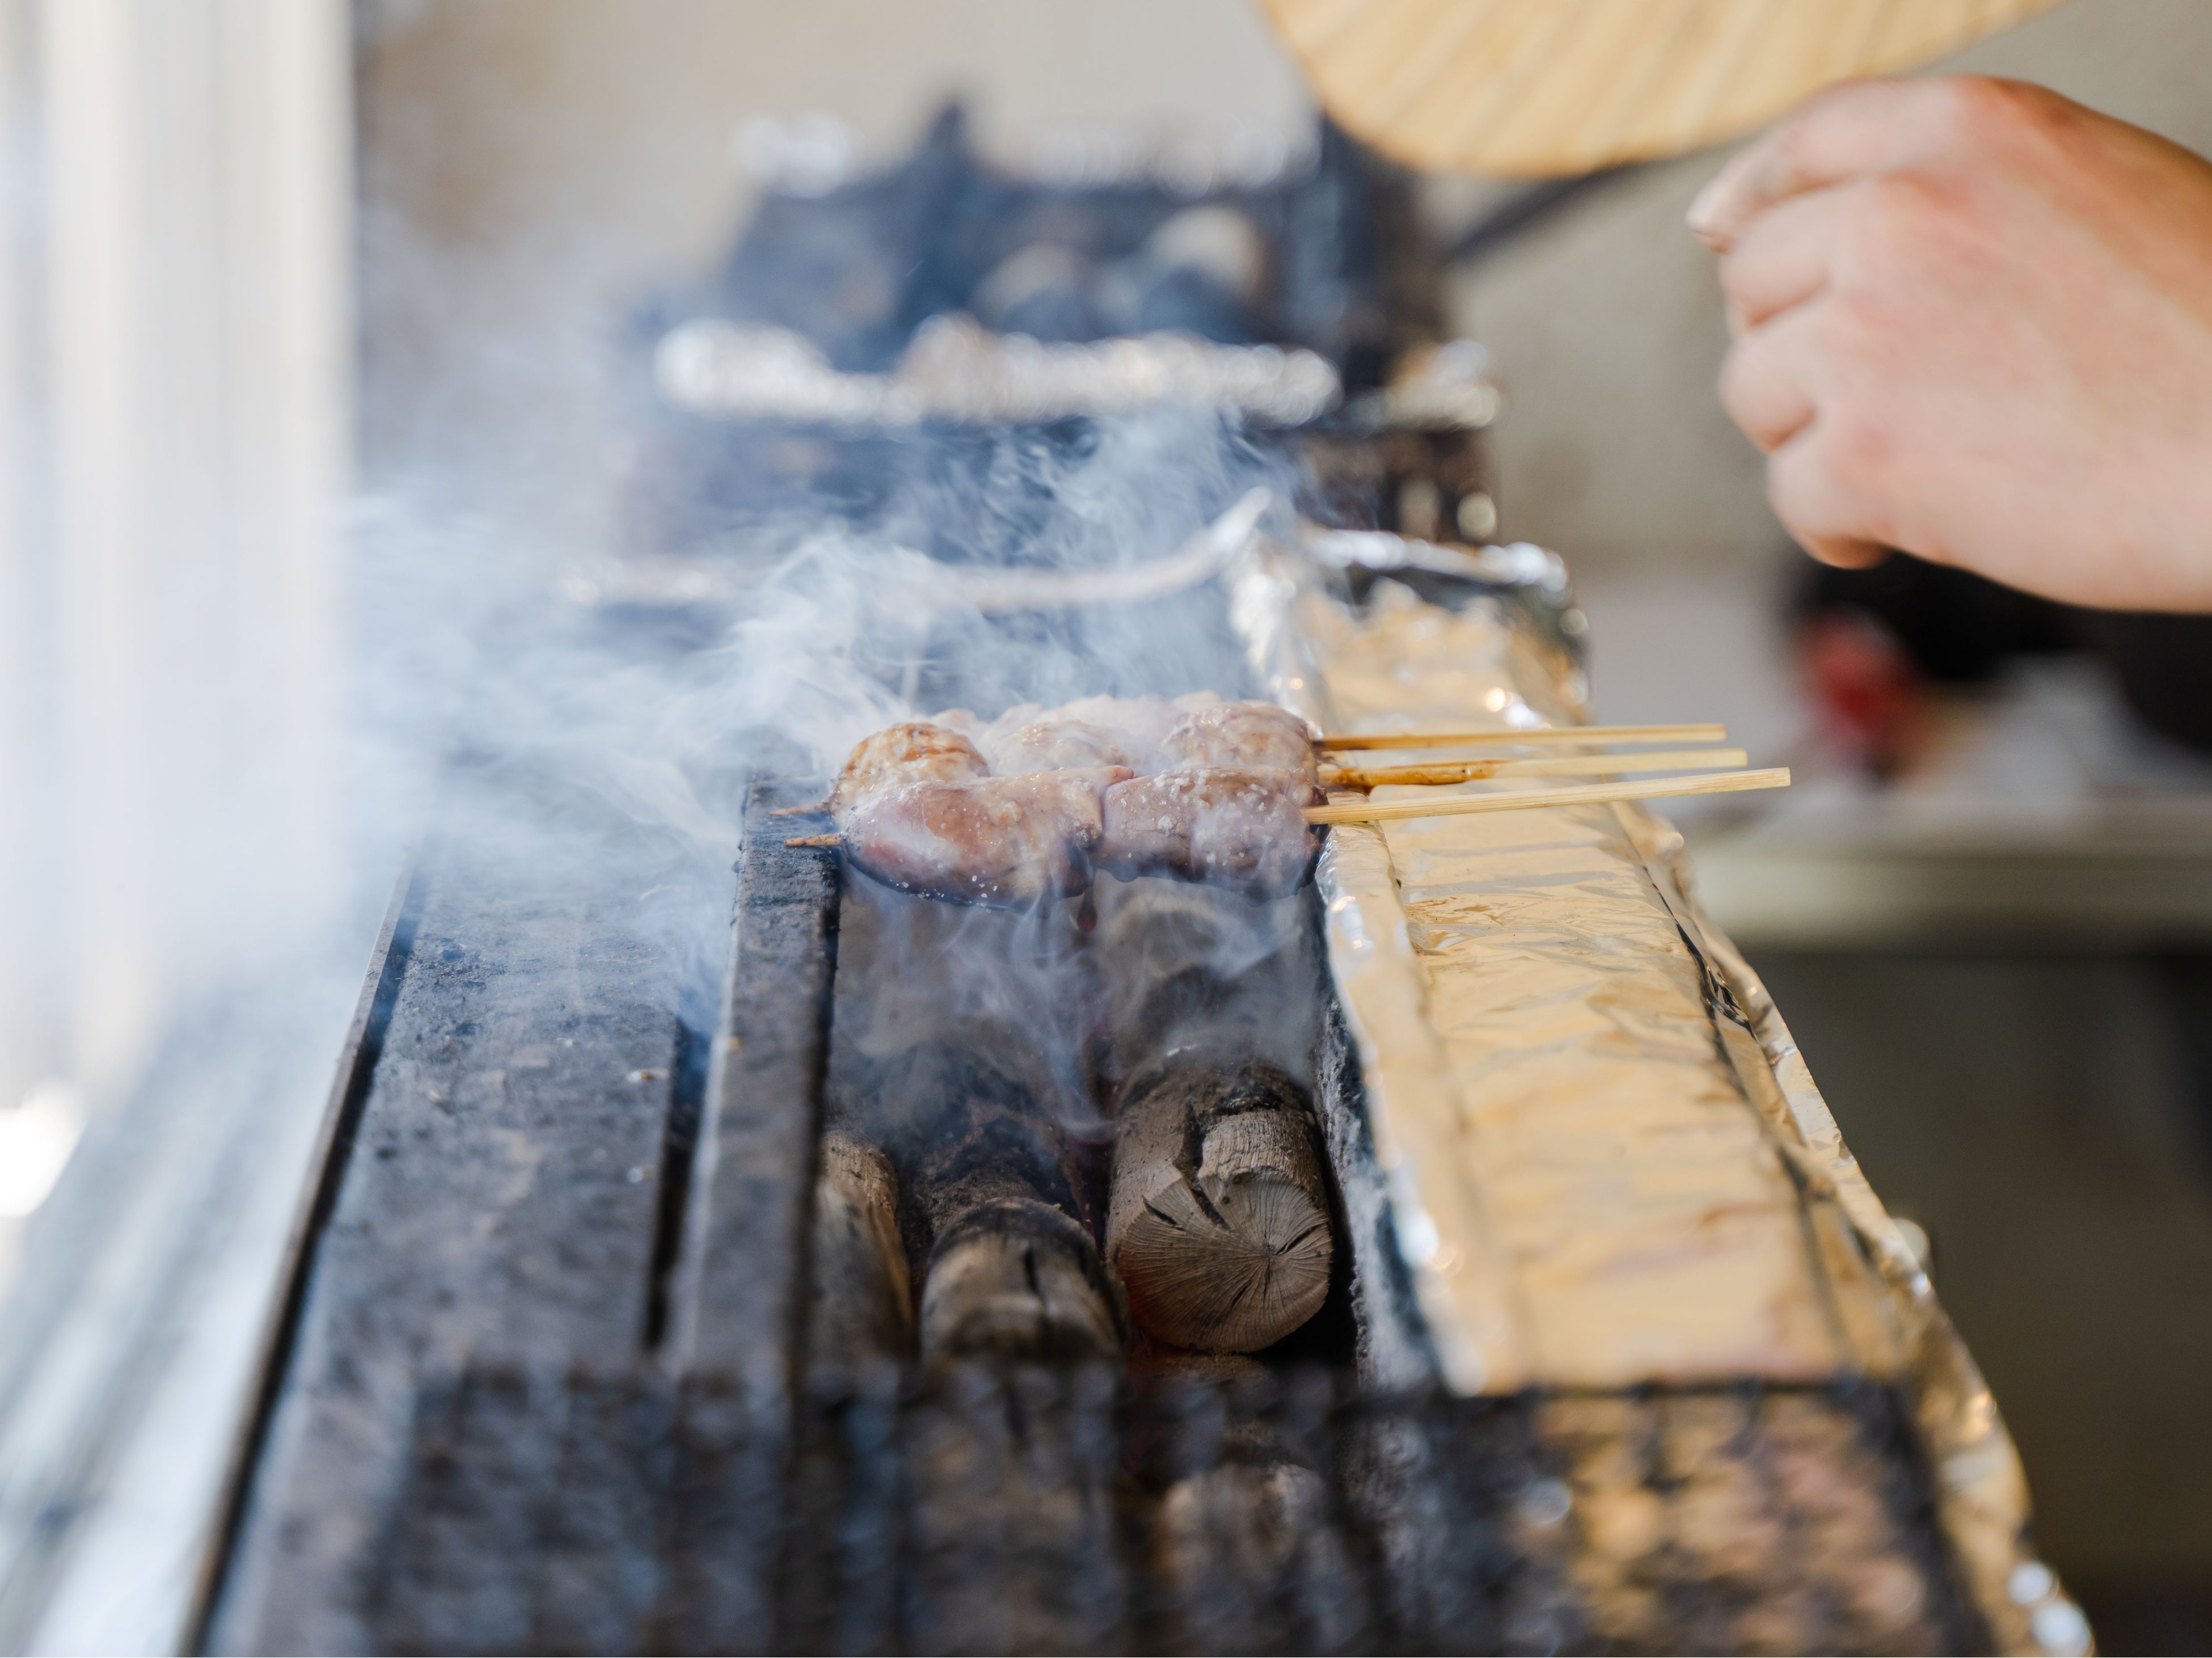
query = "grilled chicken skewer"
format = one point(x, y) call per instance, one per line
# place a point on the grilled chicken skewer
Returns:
point(1227, 794)
point(921, 808)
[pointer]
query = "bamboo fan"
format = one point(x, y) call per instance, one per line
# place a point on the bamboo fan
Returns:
point(1536, 88)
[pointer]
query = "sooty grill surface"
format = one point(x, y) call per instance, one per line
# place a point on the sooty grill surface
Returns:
point(515, 1415)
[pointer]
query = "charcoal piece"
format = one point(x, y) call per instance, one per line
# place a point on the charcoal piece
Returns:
point(1219, 1219)
point(1017, 1279)
point(960, 1051)
point(1243, 1549)
point(1012, 1532)
point(1182, 964)
point(860, 1303)
point(1011, 1270)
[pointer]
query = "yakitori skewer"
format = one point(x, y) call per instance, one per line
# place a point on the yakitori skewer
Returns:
point(1550, 765)
point(1534, 734)
point(1460, 805)
point(1586, 794)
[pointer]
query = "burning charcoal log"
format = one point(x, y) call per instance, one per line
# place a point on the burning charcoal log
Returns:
point(1017, 1280)
point(860, 1310)
point(1239, 828)
point(1219, 1222)
point(1004, 842)
point(1219, 1204)
point(1013, 1272)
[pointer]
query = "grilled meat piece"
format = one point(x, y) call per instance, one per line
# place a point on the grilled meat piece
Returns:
point(913, 751)
point(1005, 842)
point(1252, 735)
point(1057, 745)
point(1238, 827)
point(1131, 727)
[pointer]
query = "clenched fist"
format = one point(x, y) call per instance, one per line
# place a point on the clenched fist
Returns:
point(1973, 320)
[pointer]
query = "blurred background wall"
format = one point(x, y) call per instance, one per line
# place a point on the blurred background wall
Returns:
point(176, 425)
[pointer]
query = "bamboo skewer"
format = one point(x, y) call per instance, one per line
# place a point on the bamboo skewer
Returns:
point(1556, 765)
point(1705, 733)
point(1586, 794)
point(1461, 805)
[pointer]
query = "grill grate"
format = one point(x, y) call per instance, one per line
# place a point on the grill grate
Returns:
point(486, 1440)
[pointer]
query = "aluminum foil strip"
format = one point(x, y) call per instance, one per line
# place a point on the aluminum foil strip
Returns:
point(1608, 1162)
point(957, 370)
point(1981, 1489)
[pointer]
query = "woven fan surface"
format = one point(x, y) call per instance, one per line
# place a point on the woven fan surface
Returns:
point(1536, 88)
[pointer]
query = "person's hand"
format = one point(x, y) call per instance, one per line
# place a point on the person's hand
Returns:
point(1973, 321)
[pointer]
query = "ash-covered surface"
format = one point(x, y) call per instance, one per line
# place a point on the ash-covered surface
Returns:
point(499, 1206)
point(1026, 1508)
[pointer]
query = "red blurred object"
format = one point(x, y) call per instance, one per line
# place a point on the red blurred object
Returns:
point(1873, 701)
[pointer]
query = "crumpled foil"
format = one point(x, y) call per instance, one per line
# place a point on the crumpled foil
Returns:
point(957, 370)
point(1608, 1162)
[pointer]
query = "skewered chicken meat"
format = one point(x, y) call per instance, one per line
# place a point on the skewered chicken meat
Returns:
point(1051, 744)
point(1016, 810)
point(1021, 740)
point(1238, 827)
point(913, 751)
point(1251, 735)
point(1007, 842)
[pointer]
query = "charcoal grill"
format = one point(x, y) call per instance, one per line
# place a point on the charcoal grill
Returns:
point(541, 1382)
point(541, 1385)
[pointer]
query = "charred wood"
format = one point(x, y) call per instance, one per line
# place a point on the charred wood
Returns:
point(860, 1303)
point(1014, 1542)
point(1012, 1271)
point(1245, 1551)
point(1219, 1222)
point(1219, 1219)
